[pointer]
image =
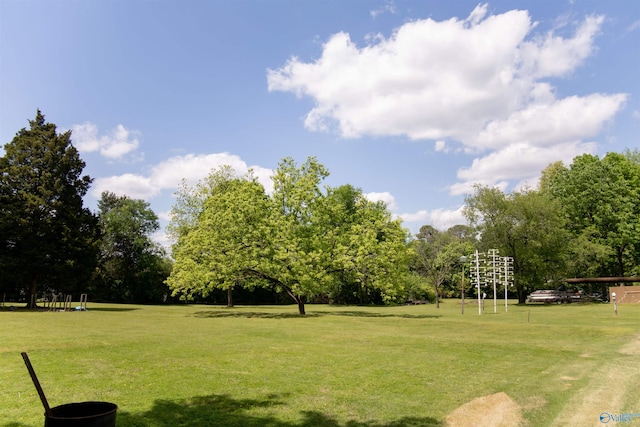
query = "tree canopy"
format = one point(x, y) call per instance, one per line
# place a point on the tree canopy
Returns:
point(302, 240)
point(47, 237)
point(131, 266)
point(601, 203)
point(527, 225)
point(437, 254)
point(219, 246)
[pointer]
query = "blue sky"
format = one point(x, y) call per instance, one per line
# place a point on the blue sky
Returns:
point(411, 101)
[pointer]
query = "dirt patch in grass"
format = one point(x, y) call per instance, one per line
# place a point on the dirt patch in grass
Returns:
point(494, 410)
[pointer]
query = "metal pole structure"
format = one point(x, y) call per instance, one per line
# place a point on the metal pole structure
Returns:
point(493, 257)
point(506, 298)
point(478, 281)
point(508, 261)
point(506, 286)
point(463, 259)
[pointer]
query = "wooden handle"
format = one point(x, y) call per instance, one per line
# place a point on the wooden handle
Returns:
point(34, 378)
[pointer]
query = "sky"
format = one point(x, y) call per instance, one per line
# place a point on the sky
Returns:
point(413, 102)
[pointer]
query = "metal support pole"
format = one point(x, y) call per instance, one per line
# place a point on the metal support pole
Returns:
point(506, 298)
point(463, 259)
point(507, 269)
point(494, 271)
point(478, 281)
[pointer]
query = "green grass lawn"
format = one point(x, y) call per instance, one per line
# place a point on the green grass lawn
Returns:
point(337, 366)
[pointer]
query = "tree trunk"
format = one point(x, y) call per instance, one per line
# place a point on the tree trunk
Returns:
point(31, 300)
point(522, 295)
point(437, 297)
point(229, 297)
point(301, 300)
point(620, 259)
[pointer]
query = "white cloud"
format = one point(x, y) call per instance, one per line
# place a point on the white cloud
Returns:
point(385, 197)
point(162, 238)
point(388, 7)
point(521, 161)
point(428, 80)
point(634, 26)
point(132, 185)
point(546, 124)
point(441, 145)
point(554, 56)
point(119, 142)
point(192, 167)
point(442, 219)
point(164, 215)
point(481, 81)
point(168, 175)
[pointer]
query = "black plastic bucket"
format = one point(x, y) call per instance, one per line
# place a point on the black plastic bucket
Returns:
point(83, 414)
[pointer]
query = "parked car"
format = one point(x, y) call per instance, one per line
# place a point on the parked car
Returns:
point(549, 296)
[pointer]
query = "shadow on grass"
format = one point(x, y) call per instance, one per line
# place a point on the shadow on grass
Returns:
point(222, 410)
point(292, 315)
point(356, 313)
point(112, 309)
point(252, 314)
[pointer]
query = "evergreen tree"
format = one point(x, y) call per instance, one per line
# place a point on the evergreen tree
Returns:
point(47, 237)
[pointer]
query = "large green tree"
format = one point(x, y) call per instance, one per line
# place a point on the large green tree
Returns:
point(601, 202)
point(527, 225)
point(293, 259)
point(47, 237)
point(301, 240)
point(132, 267)
point(320, 240)
point(221, 237)
point(367, 248)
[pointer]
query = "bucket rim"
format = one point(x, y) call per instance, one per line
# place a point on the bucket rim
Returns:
point(102, 409)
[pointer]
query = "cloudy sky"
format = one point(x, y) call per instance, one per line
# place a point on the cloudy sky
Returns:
point(411, 101)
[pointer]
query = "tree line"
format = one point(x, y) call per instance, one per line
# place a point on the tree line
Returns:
point(583, 220)
point(303, 241)
point(50, 243)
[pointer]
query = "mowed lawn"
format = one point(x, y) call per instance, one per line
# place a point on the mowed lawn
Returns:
point(338, 366)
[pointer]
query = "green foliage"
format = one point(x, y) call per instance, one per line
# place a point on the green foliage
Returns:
point(294, 259)
point(527, 225)
point(601, 202)
point(47, 237)
point(368, 248)
point(437, 255)
point(418, 288)
point(303, 241)
point(131, 267)
point(223, 246)
point(584, 221)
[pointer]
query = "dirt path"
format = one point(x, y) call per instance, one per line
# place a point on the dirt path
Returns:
point(494, 410)
point(606, 392)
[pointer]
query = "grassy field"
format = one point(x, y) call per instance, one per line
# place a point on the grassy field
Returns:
point(338, 366)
